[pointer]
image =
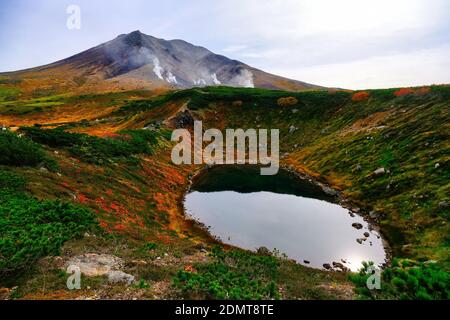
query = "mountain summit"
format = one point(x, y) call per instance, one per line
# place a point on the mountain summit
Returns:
point(140, 60)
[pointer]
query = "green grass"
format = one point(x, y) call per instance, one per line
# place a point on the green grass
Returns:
point(8, 94)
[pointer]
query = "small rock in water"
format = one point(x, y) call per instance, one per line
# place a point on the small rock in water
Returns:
point(306, 261)
point(357, 225)
point(338, 265)
point(366, 234)
point(327, 266)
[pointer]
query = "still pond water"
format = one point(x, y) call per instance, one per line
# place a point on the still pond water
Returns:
point(247, 210)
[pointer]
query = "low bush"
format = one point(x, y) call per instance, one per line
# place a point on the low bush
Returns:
point(20, 151)
point(406, 279)
point(360, 96)
point(31, 228)
point(231, 275)
point(94, 149)
point(287, 101)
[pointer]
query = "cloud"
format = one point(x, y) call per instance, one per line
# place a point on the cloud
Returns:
point(422, 67)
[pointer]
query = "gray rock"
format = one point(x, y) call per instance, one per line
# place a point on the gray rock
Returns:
point(292, 129)
point(380, 171)
point(358, 167)
point(93, 264)
point(264, 251)
point(327, 266)
point(437, 165)
point(330, 191)
point(120, 277)
point(366, 234)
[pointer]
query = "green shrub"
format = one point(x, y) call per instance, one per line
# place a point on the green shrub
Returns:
point(406, 279)
point(11, 181)
point(94, 149)
point(31, 229)
point(232, 275)
point(17, 151)
point(52, 137)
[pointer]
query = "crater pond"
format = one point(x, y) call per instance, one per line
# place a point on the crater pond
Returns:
point(242, 208)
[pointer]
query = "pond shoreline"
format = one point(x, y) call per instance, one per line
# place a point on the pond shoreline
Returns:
point(326, 188)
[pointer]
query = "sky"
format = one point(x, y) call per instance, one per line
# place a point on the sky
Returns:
point(354, 44)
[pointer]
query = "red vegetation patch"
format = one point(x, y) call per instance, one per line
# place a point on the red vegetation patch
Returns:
point(120, 227)
point(103, 224)
point(164, 238)
point(190, 268)
point(423, 90)
point(82, 198)
point(360, 96)
point(403, 92)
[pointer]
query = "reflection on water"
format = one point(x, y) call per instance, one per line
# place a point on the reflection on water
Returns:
point(247, 210)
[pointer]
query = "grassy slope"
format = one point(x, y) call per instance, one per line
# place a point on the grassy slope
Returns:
point(140, 203)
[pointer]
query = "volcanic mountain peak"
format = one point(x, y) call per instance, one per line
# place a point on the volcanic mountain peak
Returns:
point(145, 61)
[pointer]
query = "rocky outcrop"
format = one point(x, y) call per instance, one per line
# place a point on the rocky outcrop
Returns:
point(94, 265)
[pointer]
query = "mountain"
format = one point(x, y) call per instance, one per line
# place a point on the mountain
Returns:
point(136, 60)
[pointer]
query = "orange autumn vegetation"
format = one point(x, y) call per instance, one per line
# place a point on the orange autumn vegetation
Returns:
point(360, 96)
point(287, 101)
point(403, 92)
point(423, 90)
